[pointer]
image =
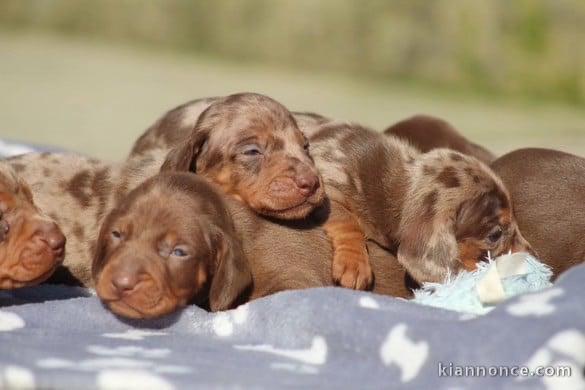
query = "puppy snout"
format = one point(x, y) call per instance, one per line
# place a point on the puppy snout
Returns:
point(308, 183)
point(51, 235)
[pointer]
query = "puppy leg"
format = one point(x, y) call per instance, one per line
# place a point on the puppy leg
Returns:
point(351, 263)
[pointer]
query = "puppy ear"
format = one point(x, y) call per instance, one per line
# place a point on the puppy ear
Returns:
point(184, 157)
point(428, 248)
point(232, 276)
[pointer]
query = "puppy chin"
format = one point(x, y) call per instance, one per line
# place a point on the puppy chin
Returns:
point(289, 208)
point(27, 274)
point(129, 308)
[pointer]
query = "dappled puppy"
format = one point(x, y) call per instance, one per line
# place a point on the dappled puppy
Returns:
point(248, 144)
point(31, 243)
point(77, 193)
point(171, 241)
point(548, 192)
point(442, 211)
point(426, 133)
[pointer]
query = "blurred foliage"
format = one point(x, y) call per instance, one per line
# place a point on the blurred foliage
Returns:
point(533, 48)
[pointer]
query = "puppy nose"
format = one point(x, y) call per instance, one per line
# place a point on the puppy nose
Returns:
point(308, 183)
point(124, 283)
point(50, 234)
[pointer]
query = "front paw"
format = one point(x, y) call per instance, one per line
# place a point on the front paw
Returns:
point(353, 271)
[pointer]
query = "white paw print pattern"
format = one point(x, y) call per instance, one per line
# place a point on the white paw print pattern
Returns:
point(115, 379)
point(10, 321)
point(16, 377)
point(119, 357)
point(134, 334)
point(368, 302)
point(536, 305)
point(316, 354)
point(223, 323)
point(130, 350)
point(565, 349)
point(401, 351)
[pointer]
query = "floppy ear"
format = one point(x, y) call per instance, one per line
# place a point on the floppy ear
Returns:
point(428, 248)
point(184, 157)
point(232, 276)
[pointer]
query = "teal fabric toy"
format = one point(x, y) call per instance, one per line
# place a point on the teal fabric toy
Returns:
point(494, 281)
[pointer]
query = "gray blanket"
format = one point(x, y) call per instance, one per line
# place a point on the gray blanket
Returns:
point(62, 337)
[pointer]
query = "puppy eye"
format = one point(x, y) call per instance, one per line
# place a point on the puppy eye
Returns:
point(306, 146)
point(495, 235)
point(116, 234)
point(252, 150)
point(179, 252)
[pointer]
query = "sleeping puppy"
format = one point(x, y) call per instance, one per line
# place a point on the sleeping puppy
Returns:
point(442, 211)
point(162, 248)
point(77, 192)
point(175, 240)
point(248, 144)
point(548, 193)
point(427, 133)
point(31, 244)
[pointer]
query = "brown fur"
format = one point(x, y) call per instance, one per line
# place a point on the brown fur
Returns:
point(427, 133)
point(134, 282)
point(548, 192)
point(77, 195)
point(31, 244)
point(248, 144)
point(369, 177)
point(422, 204)
point(80, 191)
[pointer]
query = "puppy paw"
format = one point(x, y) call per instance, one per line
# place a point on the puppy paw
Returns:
point(353, 271)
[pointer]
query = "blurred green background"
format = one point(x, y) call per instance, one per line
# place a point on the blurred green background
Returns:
point(93, 74)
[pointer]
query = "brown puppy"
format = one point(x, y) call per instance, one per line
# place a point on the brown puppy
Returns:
point(442, 210)
point(248, 144)
point(158, 252)
point(427, 133)
point(171, 241)
point(31, 244)
point(548, 192)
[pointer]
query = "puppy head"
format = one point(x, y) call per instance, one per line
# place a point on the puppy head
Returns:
point(251, 146)
point(457, 213)
point(171, 241)
point(31, 244)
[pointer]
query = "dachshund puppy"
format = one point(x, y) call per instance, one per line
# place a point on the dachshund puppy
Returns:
point(77, 192)
point(443, 211)
point(162, 248)
point(427, 133)
point(248, 144)
point(176, 240)
point(31, 244)
point(548, 193)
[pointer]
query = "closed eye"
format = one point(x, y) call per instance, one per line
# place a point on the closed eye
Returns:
point(252, 150)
